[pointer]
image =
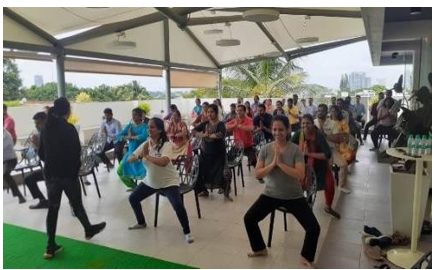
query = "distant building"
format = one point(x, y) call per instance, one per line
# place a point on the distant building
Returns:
point(358, 80)
point(39, 80)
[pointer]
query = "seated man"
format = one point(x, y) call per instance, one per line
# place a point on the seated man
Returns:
point(242, 126)
point(33, 178)
point(111, 127)
point(197, 110)
point(262, 122)
point(386, 122)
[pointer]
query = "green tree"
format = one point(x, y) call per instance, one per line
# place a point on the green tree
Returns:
point(269, 78)
point(377, 88)
point(12, 82)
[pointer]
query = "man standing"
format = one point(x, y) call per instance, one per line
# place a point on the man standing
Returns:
point(293, 116)
point(197, 110)
point(333, 101)
point(9, 123)
point(242, 126)
point(33, 178)
point(373, 112)
point(311, 108)
point(255, 105)
point(232, 114)
point(262, 122)
point(111, 127)
point(300, 105)
point(360, 111)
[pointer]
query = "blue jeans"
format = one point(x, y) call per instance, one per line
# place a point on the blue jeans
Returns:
point(143, 191)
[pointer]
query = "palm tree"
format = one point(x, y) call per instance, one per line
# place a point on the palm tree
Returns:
point(269, 78)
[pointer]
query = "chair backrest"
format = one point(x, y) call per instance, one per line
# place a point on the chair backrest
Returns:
point(97, 142)
point(259, 140)
point(234, 150)
point(310, 186)
point(188, 171)
point(30, 156)
point(195, 142)
point(87, 158)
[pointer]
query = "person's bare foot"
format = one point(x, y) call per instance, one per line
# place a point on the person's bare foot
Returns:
point(260, 253)
point(305, 263)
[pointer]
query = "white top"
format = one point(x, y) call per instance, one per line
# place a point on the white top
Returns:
point(113, 129)
point(311, 109)
point(8, 146)
point(301, 108)
point(159, 177)
point(328, 128)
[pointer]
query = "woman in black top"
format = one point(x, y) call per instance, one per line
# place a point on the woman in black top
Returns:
point(60, 150)
point(212, 152)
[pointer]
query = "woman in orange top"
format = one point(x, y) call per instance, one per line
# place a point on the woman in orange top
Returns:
point(343, 148)
point(178, 134)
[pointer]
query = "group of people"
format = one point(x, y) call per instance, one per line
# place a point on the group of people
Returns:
point(294, 145)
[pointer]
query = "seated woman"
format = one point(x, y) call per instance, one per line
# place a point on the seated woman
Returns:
point(156, 155)
point(386, 121)
point(135, 133)
point(317, 154)
point(281, 164)
point(177, 133)
point(212, 153)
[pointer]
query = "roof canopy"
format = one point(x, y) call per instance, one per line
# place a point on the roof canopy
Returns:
point(176, 37)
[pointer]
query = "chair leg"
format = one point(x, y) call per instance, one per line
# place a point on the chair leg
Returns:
point(235, 181)
point(199, 215)
point(82, 185)
point(242, 174)
point(270, 230)
point(96, 183)
point(285, 222)
point(24, 185)
point(157, 202)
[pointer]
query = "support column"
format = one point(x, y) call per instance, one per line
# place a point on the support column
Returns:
point(167, 59)
point(60, 67)
point(168, 90)
point(220, 85)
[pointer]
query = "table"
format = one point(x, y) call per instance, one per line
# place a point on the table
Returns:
point(404, 257)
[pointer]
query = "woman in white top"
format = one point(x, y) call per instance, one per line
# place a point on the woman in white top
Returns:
point(156, 154)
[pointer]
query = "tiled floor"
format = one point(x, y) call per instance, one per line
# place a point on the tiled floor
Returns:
point(220, 237)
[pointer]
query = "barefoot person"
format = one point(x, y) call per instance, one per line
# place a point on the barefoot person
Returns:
point(156, 154)
point(281, 163)
point(60, 150)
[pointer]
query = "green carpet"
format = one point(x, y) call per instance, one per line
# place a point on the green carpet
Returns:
point(23, 248)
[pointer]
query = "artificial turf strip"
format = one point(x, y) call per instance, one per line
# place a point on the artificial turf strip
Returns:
point(24, 248)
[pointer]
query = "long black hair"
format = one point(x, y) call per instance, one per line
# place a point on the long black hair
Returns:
point(61, 109)
point(163, 136)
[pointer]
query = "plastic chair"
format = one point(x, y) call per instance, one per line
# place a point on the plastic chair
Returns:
point(29, 161)
point(96, 145)
point(235, 152)
point(88, 160)
point(188, 172)
point(309, 191)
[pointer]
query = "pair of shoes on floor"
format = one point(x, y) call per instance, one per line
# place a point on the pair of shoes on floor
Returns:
point(94, 230)
point(371, 231)
point(40, 205)
point(332, 213)
point(383, 241)
point(137, 226)
point(374, 252)
point(345, 190)
point(52, 251)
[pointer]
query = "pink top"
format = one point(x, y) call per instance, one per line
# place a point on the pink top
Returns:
point(9, 125)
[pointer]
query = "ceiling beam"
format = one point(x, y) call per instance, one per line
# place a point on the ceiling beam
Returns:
point(304, 11)
point(273, 40)
point(126, 25)
point(299, 52)
point(28, 47)
point(30, 26)
point(214, 20)
point(182, 22)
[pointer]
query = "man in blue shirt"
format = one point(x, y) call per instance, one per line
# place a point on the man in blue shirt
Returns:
point(111, 127)
point(197, 110)
point(360, 111)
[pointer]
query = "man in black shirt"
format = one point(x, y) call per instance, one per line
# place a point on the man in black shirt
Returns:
point(60, 150)
point(262, 122)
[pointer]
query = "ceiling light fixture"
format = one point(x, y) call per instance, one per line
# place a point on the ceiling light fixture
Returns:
point(261, 15)
point(121, 42)
point(306, 39)
point(213, 32)
point(228, 42)
point(415, 10)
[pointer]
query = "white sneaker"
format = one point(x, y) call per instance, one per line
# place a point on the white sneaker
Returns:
point(137, 227)
point(345, 190)
point(188, 238)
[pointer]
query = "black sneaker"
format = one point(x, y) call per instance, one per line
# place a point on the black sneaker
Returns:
point(372, 231)
point(52, 251)
point(40, 205)
point(21, 200)
point(94, 230)
point(381, 241)
point(332, 213)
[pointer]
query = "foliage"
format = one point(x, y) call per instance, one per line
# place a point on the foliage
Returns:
point(83, 97)
point(12, 82)
point(73, 119)
point(268, 78)
point(378, 89)
point(145, 107)
point(12, 103)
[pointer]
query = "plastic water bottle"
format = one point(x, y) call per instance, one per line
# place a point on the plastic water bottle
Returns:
point(410, 142)
point(428, 145)
point(415, 147)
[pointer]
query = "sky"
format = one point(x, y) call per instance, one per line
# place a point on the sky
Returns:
point(324, 68)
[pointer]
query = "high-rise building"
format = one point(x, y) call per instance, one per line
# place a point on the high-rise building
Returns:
point(358, 80)
point(39, 80)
